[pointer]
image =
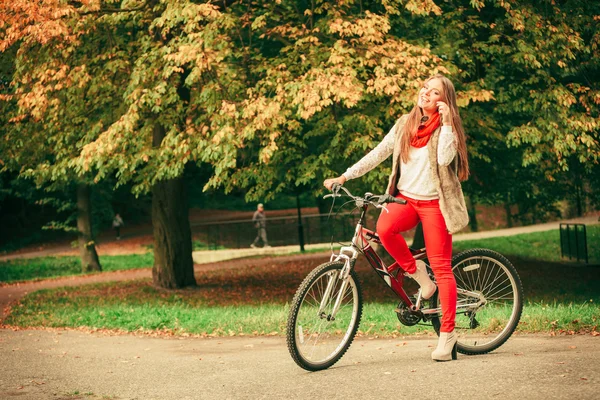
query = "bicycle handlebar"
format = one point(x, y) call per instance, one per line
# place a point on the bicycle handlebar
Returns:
point(371, 198)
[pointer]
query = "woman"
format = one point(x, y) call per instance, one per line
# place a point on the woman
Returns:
point(429, 161)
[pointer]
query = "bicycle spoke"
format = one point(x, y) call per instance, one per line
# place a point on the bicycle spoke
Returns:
point(483, 326)
point(318, 335)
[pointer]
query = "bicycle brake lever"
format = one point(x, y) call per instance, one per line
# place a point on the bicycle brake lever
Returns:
point(382, 206)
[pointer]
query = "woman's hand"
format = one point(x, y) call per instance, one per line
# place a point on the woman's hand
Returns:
point(328, 183)
point(444, 111)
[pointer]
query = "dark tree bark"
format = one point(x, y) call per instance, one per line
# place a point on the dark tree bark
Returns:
point(472, 214)
point(507, 210)
point(87, 245)
point(173, 264)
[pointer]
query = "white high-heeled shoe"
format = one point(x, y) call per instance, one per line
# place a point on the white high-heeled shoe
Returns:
point(422, 277)
point(446, 348)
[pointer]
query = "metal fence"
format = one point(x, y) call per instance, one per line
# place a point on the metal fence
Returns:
point(281, 231)
point(573, 242)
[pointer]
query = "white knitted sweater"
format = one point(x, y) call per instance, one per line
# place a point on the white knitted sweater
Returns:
point(416, 180)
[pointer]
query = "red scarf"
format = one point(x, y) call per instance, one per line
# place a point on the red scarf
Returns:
point(421, 137)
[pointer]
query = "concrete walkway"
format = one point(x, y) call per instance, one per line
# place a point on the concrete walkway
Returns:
point(589, 220)
point(60, 364)
point(208, 256)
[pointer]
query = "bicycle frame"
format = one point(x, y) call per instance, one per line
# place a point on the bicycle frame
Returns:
point(362, 242)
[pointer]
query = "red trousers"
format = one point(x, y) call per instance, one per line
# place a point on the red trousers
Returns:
point(438, 243)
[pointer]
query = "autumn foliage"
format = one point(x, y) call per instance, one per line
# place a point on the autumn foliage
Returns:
point(275, 96)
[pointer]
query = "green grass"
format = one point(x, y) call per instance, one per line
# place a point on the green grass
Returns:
point(541, 246)
point(51, 267)
point(544, 246)
point(254, 300)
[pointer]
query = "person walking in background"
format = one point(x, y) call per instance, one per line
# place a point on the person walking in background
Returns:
point(260, 223)
point(117, 224)
point(429, 161)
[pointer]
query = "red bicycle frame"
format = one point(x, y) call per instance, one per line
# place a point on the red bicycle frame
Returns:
point(390, 273)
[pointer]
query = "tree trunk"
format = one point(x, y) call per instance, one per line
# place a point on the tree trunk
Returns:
point(579, 200)
point(300, 227)
point(472, 214)
point(507, 210)
point(87, 245)
point(173, 264)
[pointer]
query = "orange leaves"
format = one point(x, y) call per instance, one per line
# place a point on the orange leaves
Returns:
point(35, 87)
point(34, 22)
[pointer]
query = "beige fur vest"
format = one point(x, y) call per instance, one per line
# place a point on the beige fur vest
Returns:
point(452, 201)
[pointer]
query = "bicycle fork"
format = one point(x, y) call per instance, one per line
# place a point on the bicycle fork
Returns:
point(332, 281)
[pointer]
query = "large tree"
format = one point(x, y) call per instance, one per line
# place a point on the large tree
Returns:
point(64, 89)
point(328, 80)
point(167, 63)
point(540, 60)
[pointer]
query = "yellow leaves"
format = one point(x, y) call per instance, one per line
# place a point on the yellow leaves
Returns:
point(267, 152)
point(262, 113)
point(321, 88)
point(286, 31)
point(370, 29)
point(222, 134)
point(398, 66)
point(423, 7)
point(259, 22)
point(228, 108)
point(472, 95)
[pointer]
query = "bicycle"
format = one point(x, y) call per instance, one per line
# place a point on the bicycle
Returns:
point(326, 310)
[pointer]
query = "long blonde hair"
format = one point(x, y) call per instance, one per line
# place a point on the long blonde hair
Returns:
point(414, 120)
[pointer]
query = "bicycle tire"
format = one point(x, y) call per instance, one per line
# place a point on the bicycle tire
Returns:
point(309, 333)
point(493, 324)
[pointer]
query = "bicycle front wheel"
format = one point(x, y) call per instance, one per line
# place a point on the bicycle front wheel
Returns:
point(324, 317)
point(489, 303)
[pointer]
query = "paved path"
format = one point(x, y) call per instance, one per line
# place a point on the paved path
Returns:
point(76, 365)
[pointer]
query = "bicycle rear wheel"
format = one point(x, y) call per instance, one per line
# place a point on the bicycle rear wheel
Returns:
point(317, 339)
point(488, 274)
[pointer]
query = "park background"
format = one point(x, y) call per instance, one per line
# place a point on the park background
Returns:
point(175, 113)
